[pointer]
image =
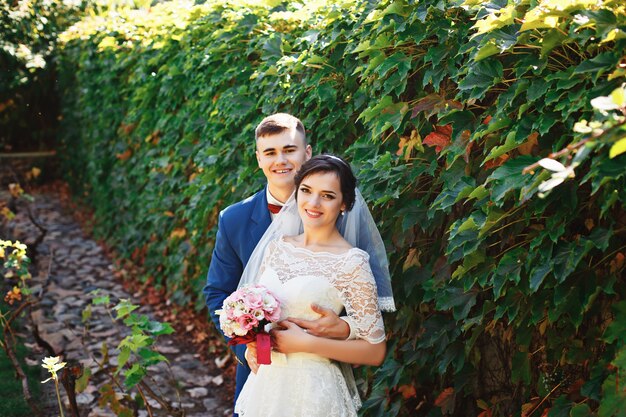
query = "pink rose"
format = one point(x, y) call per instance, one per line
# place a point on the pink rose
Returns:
point(273, 315)
point(247, 321)
point(253, 301)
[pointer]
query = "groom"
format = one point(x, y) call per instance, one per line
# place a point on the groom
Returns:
point(281, 148)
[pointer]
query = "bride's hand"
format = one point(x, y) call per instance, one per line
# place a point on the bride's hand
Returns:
point(251, 357)
point(329, 325)
point(290, 338)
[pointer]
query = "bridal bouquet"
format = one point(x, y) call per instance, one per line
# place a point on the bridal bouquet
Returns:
point(244, 315)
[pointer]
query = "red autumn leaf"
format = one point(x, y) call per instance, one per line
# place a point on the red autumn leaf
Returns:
point(124, 155)
point(444, 130)
point(407, 391)
point(440, 138)
point(445, 397)
point(527, 147)
point(494, 163)
point(487, 120)
point(426, 104)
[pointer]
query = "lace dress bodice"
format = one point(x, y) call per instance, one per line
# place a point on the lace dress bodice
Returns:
point(299, 277)
point(303, 384)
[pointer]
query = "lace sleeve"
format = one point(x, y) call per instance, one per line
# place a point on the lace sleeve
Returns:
point(357, 288)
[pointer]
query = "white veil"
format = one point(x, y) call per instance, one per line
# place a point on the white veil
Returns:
point(356, 226)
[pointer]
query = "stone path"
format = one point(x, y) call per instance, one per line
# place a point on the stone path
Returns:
point(70, 266)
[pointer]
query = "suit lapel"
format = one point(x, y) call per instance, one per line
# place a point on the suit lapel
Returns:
point(260, 218)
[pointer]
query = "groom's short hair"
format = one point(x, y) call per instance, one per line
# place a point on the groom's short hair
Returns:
point(278, 123)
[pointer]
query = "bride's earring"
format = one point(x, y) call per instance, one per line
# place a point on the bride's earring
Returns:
point(343, 212)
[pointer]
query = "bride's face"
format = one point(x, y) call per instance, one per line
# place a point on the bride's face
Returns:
point(319, 199)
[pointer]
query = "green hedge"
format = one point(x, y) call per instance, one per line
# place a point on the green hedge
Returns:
point(509, 282)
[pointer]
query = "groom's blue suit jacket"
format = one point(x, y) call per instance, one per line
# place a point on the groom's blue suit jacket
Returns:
point(240, 228)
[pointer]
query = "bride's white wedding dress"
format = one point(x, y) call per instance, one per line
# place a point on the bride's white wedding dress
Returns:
point(303, 384)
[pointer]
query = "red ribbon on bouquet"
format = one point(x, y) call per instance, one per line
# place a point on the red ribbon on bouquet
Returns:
point(263, 345)
point(263, 349)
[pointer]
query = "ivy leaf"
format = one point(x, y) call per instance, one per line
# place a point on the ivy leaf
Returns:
point(618, 148)
point(273, 46)
point(599, 64)
point(509, 144)
point(124, 308)
point(133, 375)
point(508, 269)
point(539, 19)
point(436, 54)
point(135, 341)
point(551, 40)
point(510, 177)
point(157, 328)
point(482, 76)
point(440, 138)
point(568, 256)
point(386, 113)
point(122, 358)
point(616, 330)
point(105, 299)
point(495, 20)
point(600, 238)
point(451, 194)
point(445, 400)
point(486, 50)
point(457, 299)
point(150, 357)
point(538, 274)
point(397, 61)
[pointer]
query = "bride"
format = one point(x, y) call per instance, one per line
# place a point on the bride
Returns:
point(309, 375)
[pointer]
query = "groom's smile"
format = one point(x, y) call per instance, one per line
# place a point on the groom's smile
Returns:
point(280, 156)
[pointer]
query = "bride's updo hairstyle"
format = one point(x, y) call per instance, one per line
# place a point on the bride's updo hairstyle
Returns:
point(330, 163)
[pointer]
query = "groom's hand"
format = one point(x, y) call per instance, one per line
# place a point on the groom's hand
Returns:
point(329, 325)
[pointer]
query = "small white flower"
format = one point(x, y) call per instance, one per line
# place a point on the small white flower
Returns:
point(53, 364)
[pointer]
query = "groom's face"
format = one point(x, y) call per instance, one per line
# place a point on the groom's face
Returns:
point(280, 156)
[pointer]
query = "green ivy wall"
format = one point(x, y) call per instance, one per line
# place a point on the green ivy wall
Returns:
point(509, 275)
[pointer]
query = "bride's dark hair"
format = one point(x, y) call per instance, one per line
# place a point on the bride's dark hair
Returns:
point(330, 163)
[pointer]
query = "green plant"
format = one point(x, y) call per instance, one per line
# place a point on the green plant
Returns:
point(136, 354)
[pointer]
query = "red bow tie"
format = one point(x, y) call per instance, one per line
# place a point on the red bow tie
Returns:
point(274, 208)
